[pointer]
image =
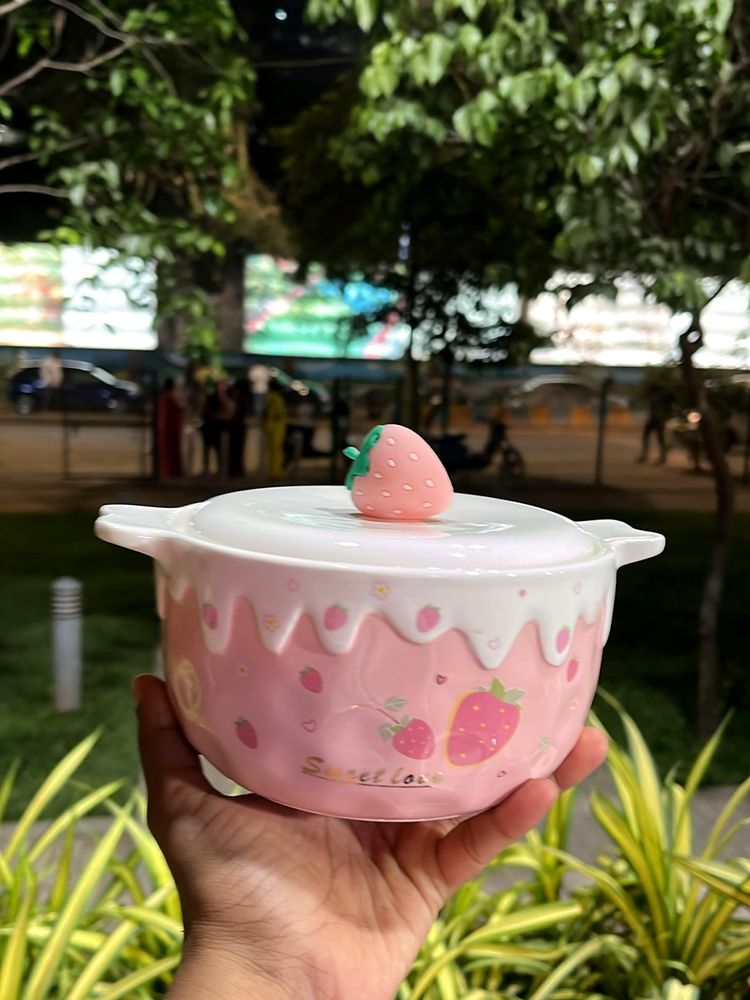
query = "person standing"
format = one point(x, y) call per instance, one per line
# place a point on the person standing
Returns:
point(51, 373)
point(169, 419)
point(237, 427)
point(274, 431)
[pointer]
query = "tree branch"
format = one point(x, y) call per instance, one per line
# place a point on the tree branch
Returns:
point(85, 66)
point(33, 189)
point(13, 161)
point(13, 6)
point(95, 22)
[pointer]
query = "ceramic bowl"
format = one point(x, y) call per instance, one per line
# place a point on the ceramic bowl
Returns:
point(374, 669)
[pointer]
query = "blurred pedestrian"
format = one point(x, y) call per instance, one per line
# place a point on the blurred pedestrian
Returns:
point(169, 420)
point(659, 392)
point(260, 379)
point(51, 373)
point(274, 430)
point(217, 410)
point(193, 397)
point(237, 427)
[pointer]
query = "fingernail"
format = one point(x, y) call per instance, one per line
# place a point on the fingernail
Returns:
point(137, 688)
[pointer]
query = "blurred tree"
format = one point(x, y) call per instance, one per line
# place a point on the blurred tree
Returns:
point(439, 224)
point(137, 117)
point(626, 124)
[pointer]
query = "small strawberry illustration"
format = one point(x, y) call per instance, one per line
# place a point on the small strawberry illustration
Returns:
point(335, 617)
point(210, 615)
point(311, 679)
point(397, 476)
point(246, 732)
point(483, 723)
point(413, 738)
point(572, 669)
point(428, 618)
point(562, 640)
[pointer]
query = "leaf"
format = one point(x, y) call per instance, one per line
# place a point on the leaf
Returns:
point(365, 12)
point(49, 788)
point(497, 689)
point(14, 955)
point(117, 81)
point(395, 704)
point(49, 959)
point(609, 87)
point(590, 168)
point(141, 977)
point(438, 51)
point(641, 131)
point(512, 695)
point(386, 732)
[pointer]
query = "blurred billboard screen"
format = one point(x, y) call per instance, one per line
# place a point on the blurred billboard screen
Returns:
point(288, 314)
point(74, 297)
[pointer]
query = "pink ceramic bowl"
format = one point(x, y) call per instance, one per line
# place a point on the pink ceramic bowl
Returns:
point(375, 669)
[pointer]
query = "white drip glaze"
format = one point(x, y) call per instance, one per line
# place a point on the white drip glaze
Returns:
point(487, 567)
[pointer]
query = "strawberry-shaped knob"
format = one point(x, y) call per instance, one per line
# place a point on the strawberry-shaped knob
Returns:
point(397, 476)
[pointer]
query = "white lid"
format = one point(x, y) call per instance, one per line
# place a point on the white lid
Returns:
point(319, 524)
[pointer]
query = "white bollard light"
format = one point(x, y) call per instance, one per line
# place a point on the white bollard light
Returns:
point(66, 643)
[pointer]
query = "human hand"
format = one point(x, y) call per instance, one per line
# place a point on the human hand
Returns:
point(280, 903)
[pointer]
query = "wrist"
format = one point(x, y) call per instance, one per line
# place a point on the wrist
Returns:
point(214, 966)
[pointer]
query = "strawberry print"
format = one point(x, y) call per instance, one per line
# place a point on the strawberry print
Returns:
point(482, 724)
point(397, 476)
point(562, 640)
point(210, 615)
point(572, 669)
point(311, 679)
point(413, 738)
point(246, 732)
point(428, 618)
point(335, 617)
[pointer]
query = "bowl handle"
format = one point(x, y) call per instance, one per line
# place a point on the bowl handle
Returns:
point(144, 529)
point(628, 544)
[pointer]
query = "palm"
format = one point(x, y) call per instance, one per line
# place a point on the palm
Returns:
point(352, 900)
point(315, 879)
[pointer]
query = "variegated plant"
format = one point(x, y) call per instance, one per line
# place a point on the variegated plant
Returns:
point(112, 929)
point(654, 921)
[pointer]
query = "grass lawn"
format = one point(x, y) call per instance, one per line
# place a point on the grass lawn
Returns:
point(649, 662)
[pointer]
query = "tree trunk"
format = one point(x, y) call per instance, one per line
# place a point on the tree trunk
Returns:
point(708, 710)
point(228, 300)
point(445, 407)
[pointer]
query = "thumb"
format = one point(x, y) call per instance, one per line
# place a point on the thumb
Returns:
point(170, 765)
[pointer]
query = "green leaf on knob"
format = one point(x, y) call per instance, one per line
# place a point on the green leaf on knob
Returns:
point(361, 460)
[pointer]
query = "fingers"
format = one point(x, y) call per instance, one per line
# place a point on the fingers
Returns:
point(170, 765)
point(471, 845)
point(589, 753)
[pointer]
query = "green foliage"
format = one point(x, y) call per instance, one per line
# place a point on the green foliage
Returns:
point(622, 129)
point(107, 927)
point(139, 118)
point(652, 920)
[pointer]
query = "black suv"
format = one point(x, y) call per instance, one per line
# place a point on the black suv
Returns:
point(84, 387)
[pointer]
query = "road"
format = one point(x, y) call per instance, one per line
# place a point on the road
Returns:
point(108, 461)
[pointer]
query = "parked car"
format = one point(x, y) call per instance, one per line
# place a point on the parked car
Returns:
point(560, 393)
point(84, 387)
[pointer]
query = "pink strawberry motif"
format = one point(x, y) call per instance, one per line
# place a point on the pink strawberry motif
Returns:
point(397, 476)
point(482, 724)
point(562, 640)
point(210, 615)
point(413, 738)
point(311, 679)
point(427, 618)
point(246, 732)
point(335, 617)
point(572, 669)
